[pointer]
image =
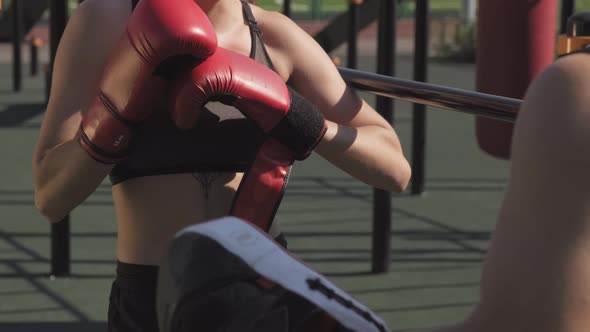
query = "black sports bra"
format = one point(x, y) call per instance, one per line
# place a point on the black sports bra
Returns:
point(223, 140)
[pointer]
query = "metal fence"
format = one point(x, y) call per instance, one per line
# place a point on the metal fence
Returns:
point(382, 218)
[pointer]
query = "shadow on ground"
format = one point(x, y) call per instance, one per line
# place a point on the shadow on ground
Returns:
point(16, 115)
point(48, 327)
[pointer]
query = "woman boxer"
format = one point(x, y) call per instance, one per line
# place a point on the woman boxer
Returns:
point(103, 99)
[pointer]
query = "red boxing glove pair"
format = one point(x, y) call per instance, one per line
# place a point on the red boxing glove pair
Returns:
point(167, 37)
point(162, 36)
point(293, 124)
point(258, 92)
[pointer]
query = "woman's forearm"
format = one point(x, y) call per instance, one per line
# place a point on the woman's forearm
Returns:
point(64, 177)
point(371, 154)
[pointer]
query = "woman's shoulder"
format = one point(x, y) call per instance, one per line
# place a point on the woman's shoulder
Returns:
point(95, 25)
point(101, 7)
point(278, 30)
point(102, 14)
point(90, 35)
point(287, 42)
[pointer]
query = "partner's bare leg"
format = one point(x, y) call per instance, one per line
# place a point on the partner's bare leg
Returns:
point(537, 273)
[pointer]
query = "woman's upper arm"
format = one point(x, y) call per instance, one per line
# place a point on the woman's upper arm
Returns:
point(315, 76)
point(89, 37)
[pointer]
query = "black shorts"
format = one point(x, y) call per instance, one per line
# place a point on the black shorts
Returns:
point(132, 302)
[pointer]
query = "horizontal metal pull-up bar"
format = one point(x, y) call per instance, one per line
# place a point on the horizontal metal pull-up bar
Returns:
point(477, 103)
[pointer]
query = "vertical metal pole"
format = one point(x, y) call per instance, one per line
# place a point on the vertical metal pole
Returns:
point(381, 251)
point(17, 37)
point(58, 11)
point(60, 247)
point(568, 7)
point(353, 28)
point(287, 8)
point(316, 9)
point(47, 73)
point(469, 11)
point(419, 118)
point(60, 232)
point(34, 47)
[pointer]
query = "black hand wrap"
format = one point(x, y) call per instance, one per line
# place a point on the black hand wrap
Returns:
point(302, 128)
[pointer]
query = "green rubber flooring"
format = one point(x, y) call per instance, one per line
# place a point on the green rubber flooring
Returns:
point(439, 239)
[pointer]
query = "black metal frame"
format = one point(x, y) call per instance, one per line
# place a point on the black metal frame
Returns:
point(419, 117)
point(382, 214)
point(353, 28)
point(17, 38)
point(287, 8)
point(60, 232)
point(382, 84)
point(34, 53)
point(568, 7)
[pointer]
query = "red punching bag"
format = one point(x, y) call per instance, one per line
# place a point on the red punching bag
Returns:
point(516, 40)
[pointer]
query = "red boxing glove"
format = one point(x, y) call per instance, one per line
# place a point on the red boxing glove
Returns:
point(262, 187)
point(161, 36)
point(258, 92)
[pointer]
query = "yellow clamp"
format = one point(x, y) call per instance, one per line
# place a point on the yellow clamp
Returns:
point(577, 36)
